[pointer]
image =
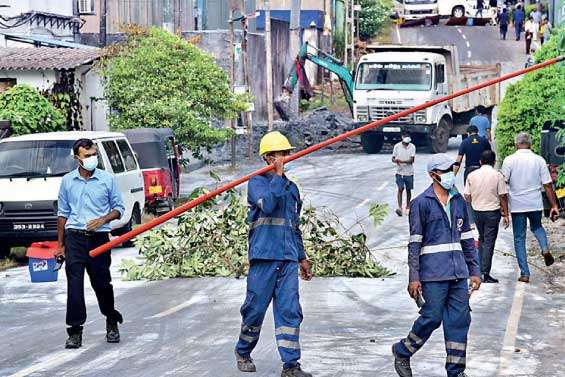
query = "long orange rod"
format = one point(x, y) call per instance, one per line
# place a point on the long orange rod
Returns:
point(201, 199)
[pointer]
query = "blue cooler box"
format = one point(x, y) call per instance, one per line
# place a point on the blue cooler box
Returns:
point(42, 263)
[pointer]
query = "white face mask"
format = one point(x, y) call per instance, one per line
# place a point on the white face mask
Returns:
point(406, 140)
point(89, 163)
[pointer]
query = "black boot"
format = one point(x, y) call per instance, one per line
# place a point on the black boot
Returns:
point(401, 365)
point(75, 338)
point(112, 332)
point(245, 364)
point(295, 371)
point(488, 279)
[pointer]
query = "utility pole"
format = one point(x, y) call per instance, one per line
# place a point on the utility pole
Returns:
point(269, 65)
point(232, 81)
point(352, 20)
point(103, 11)
point(345, 32)
point(248, 114)
point(294, 50)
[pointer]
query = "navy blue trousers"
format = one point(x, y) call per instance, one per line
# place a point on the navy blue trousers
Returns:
point(275, 281)
point(447, 302)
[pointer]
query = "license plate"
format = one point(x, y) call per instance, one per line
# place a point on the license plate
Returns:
point(155, 189)
point(29, 226)
point(391, 129)
point(560, 193)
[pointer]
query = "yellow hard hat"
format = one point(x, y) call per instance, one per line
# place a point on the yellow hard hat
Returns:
point(274, 142)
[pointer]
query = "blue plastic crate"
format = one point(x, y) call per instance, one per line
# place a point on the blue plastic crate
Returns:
point(42, 270)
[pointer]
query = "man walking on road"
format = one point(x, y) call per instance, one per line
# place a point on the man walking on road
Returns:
point(471, 149)
point(526, 173)
point(519, 17)
point(276, 253)
point(481, 121)
point(441, 257)
point(486, 191)
point(503, 21)
point(403, 155)
point(89, 199)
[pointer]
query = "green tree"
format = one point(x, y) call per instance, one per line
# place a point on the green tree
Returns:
point(373, 16)
point(29, 111)
point(538, 97)
point(156, 79)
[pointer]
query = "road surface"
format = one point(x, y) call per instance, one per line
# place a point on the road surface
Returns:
point(188, 327)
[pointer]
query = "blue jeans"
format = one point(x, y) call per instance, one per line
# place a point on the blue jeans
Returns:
point(447, 304)
point(519, 230)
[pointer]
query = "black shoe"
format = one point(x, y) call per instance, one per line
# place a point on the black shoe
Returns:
point(488, 279)
point(74, 341)
point(548, 258)
point(462, 374)
point(401, 365)
point(295, 371)
point(245, 364)
point(112, 332)
point(399, 212)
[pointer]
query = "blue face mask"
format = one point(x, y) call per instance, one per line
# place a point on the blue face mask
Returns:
point(89, 163)
point(447, 180)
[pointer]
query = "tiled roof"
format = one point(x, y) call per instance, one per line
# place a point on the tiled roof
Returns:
point(38, 58)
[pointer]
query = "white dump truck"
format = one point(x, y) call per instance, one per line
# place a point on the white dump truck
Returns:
point(392, 78)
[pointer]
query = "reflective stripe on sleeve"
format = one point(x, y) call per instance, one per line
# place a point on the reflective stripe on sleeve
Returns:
point(415, 238)
point(441, 248)
point(467, 235)
point(260, 203)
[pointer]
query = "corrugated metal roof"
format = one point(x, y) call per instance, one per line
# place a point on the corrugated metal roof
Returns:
point(44, 41)
point(28, 58)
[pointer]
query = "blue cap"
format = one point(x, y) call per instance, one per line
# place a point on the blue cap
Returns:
point(440, 161)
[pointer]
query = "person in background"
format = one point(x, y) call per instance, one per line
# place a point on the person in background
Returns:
point(537, 14)
point(519, 17)
point(276, 255)
point(441, 258)
point(486, 191)
point(482, 122)
point(403, 155)
point(525, 173)
point(493, 11)
point(545, 30)
point(530, 31)
point(89, 199)
point(503, 23)
point(480, 7)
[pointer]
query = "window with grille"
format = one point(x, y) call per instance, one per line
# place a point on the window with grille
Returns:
point(86, 6)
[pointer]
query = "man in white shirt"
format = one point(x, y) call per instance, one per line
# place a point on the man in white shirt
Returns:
point(403, 155)
point(486, 190)
point(525, 173)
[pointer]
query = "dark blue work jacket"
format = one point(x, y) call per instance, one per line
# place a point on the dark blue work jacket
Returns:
point(440, 249)
point(274, 215)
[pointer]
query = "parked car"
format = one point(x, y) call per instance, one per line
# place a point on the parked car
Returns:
point(158, 156)
point(31, 170)
point(553, 151)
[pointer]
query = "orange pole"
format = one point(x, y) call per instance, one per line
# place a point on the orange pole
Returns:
point(189, 205)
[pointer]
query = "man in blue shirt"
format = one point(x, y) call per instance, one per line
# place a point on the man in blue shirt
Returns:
point(89, 200)
point(471, 149)
point(481, 121)
point(441, 257)
point(276, 253)
point(519, 17)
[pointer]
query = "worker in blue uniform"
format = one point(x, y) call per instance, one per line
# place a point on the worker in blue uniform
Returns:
point(441, 258)
point(276, 253)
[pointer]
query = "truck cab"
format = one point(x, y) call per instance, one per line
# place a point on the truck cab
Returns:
point(389, 82)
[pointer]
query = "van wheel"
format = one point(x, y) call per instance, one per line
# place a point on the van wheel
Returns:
point(458, 11)
point(123, 230)
point(136, 215)
point(372, 142)
point(440, 136)
point(5, 251)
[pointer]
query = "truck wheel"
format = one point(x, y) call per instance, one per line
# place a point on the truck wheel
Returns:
point(458, 11)
point(372, 142)
point(440, 136)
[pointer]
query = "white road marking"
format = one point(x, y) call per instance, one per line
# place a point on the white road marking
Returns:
point(468, 44)
point(509, 343)
point(459, 30)
point(179, 307)
point(381, 187)
point(362, 203)
point(464, 36)
point(52, 361)
point(469, 53)
point(398, 34)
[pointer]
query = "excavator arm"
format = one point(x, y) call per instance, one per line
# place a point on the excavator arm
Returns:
point(297, 74)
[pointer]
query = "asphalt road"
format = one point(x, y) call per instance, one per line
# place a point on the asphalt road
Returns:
point(188, 327)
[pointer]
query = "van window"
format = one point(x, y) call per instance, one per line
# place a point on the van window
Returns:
point(114, 156)
point(127, 155)
point(37, 158)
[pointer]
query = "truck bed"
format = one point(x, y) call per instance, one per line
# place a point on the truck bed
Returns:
point(471, 75)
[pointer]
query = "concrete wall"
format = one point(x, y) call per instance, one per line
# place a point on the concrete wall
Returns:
point(41, 80)
point(286, 4)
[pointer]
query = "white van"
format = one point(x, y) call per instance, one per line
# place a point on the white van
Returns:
point(462, 8)
point(31, 169)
